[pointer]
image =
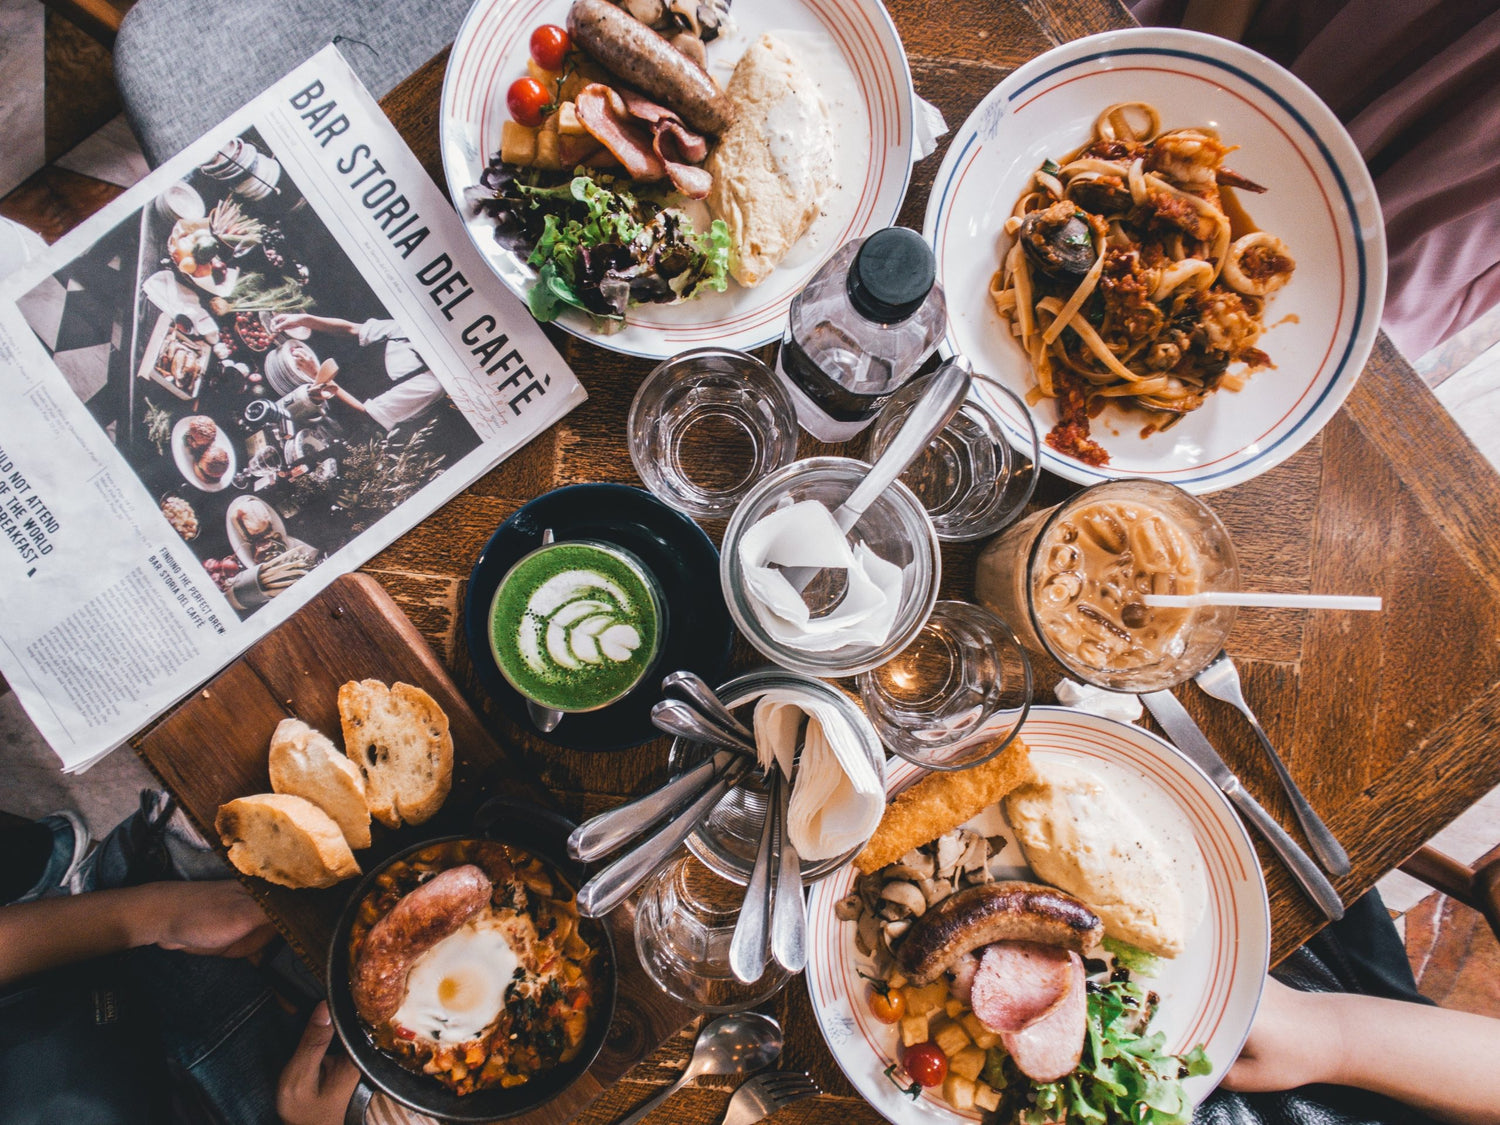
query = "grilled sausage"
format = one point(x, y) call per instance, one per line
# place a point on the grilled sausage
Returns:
point(1007, 911)
point(631, 51)
point(418, 921)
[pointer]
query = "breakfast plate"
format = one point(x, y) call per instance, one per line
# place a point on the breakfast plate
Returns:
point(1209, 993)
point(187, 464)
point(1320, 201)
point(853, 48)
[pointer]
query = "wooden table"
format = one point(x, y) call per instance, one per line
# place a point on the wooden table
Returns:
point(1390, 721)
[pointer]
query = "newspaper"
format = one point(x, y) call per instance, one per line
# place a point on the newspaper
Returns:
point(246, 376)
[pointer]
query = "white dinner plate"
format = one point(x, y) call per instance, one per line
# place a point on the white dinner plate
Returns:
point(185, 462)
point(1208, 994)
point(1320, 202)
point(855, 55)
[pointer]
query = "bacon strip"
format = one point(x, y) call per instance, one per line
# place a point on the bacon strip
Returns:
point(676, 146)
point(603, 113)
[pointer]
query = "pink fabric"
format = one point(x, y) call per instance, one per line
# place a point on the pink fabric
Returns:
point(1417, 83)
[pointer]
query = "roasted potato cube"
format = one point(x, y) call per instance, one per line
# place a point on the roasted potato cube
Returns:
point(954, 1007)
point(982, 1036)
point(547, 78)
point(517, 143)
point(913, 1030)
point(575, 150)
point(549, 123)
point(952, 1038)
point(546, 151)
point(958, 1092)
point(986, 1097)
point(567, 121)
point(896, 980)
point(966, 1063)
point(926, 998)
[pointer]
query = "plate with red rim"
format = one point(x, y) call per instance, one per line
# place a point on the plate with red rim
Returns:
point(853, 48)
point(1209, 993)
point(1320, 201)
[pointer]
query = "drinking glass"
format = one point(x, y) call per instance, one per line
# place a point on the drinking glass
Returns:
point(978, 474)
point(706, 426)
point(684, 922)
point(956, 696)
point(1068, 579)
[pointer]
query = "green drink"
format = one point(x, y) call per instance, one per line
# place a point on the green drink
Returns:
point(574, 626)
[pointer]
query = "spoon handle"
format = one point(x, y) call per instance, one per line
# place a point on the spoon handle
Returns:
point(748, 946)
point(789, 911)
point(933, 411)
point(604, 833)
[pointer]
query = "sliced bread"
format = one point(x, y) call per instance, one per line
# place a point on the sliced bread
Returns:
point(398, 737)
point(286, 840)
point(304, 763)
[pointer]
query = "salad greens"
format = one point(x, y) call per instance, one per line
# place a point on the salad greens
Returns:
point(1125, 1076)
point(1135, 959)
point(600, 247)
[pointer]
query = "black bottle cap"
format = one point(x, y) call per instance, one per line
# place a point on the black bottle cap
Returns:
point(891, 275)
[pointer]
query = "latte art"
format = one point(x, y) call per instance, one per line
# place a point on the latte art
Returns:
point(575, 625)
point(575, 618)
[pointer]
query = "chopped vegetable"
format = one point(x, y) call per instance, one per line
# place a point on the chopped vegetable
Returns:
point(599, 247)
point(1129, 957)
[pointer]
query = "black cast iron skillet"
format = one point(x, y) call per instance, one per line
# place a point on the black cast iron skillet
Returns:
point(543, 834)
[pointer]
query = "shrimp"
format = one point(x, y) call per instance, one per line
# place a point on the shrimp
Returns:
point(1188, 156)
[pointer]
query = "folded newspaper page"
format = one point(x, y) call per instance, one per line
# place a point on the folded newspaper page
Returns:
point(246, 376)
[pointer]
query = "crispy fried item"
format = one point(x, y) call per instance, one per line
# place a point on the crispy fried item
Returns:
point(941, 802)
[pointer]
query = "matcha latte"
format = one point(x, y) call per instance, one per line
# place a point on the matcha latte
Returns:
point(574, 626)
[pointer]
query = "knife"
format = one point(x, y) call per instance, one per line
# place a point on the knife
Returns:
point(1194, 744)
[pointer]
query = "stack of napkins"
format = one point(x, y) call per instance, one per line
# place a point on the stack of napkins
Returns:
point(806, 534)
point(838, 793)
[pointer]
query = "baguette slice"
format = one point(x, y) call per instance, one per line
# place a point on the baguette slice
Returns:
point(398, 737)
point(304, 763)
point(286, 840)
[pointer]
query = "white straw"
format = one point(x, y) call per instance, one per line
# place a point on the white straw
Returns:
point(1279, 601)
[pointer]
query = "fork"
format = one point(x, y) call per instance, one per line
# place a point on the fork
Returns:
point(1221, 679)
point(767, 1092)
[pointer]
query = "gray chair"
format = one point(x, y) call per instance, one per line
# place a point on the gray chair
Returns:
point(184, 65)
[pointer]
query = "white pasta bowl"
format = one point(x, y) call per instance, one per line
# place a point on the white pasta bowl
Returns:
point(1320, 202)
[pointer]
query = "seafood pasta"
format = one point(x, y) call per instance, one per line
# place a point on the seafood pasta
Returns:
point(1134, 275)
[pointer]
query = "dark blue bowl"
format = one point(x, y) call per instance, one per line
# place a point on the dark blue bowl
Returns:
point(674, 548)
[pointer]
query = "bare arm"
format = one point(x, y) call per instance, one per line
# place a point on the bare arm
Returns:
point(1439, 1061)
point(209, 918)
point(329, 324)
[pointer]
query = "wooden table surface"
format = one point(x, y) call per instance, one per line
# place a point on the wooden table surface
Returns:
point(1389, 721)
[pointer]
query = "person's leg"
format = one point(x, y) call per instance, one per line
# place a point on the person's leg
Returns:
point(40, 856)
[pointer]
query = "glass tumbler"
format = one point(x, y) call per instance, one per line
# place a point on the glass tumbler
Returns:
point(706, 426)
point(1070, 581)
point(956, 696)
point(684, 922)
point(978, 474)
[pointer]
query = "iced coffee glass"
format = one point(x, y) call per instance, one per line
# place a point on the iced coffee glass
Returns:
point(1069, 580)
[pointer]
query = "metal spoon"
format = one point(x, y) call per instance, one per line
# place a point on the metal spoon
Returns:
point(685, 721)
point(933, 411)
point(693, 688)
point(610, 830)
point(750, 946)
point(1221, 679)
point(545, 719)
point(788, 906)
point(737, 1044)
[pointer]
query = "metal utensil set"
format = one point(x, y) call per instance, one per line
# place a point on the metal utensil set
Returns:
point(1222, 681)
point(773, 923)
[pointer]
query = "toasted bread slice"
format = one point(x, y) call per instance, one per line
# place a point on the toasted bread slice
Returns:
point(286, 840)
point(305, 763)
point(398, 737)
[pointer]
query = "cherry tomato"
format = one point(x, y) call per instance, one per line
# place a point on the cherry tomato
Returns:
point(888, 1006)
point(526, 99)
point(549, 45)
point(926, 1064)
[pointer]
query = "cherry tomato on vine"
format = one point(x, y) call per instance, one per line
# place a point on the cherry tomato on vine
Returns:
point(527, 99)
point(926, 1063)
point(888, 1006)
point(549, 46)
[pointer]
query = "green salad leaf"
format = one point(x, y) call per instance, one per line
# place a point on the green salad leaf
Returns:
point(1125, 1077)
point(1130, 957)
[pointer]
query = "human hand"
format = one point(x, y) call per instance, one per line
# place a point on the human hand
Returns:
point(217, 918)
point(315, 1089)
point(1295, 1041)
point(282, 321)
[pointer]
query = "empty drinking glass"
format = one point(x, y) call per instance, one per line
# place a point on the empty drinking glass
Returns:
point(706, 426)
point(978, 474)
point(956, 696)
point(684, 922)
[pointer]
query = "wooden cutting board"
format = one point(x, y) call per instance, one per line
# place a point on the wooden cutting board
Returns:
point(213, 748)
